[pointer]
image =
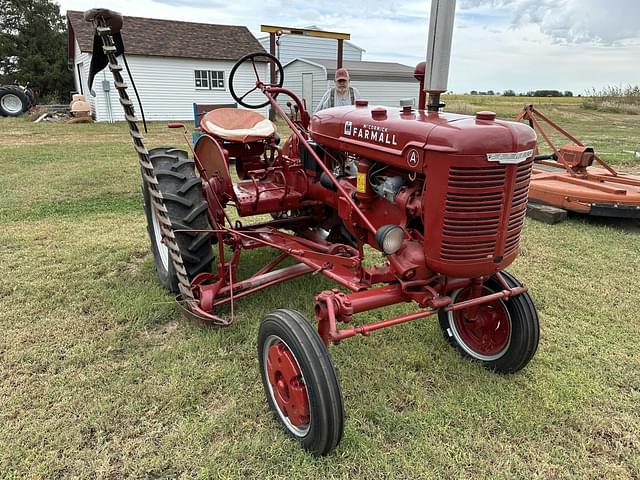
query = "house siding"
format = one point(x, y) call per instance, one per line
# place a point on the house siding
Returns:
point(293, 81)
point(295, 46)
point(166, 87)
point(387, 93)
point(84, 59)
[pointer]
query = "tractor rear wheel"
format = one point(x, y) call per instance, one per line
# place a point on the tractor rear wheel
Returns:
point(13, 101)
point(182, 193)
point(300, 382)
point(503, 336)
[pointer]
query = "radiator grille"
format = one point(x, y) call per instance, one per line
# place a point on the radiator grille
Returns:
point(518, 210)
point(473, 209)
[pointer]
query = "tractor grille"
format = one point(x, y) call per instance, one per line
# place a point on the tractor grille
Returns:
point(473, 212)
point(518, 210)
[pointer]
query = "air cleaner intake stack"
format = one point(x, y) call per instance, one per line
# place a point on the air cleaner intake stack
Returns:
point(439, 50)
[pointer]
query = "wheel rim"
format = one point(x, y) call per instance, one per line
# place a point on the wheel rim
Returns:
point(163, 250)
point(487, 337)
point(286, 386)
point(11, 103)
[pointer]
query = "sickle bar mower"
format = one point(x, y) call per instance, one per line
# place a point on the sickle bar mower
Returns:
point(566, 178)
point(442, 197)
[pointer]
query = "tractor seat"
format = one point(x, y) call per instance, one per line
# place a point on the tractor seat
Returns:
point(236, 125)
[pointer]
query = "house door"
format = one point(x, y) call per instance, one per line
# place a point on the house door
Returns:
point(307, 90)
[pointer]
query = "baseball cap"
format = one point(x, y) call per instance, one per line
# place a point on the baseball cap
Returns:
point(342, 74)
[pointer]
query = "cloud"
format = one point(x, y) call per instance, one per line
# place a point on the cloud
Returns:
point(497, 44)
point(571, 21)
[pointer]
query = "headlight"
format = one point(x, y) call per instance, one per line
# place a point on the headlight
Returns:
point(389, 238)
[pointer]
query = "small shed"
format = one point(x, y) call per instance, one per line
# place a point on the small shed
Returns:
point(381, 83)
point(174, 65)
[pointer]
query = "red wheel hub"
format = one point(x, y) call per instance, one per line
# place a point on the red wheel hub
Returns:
point(489, 332)
point(288, 386)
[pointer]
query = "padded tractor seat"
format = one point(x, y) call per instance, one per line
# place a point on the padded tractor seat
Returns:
point(237, 125)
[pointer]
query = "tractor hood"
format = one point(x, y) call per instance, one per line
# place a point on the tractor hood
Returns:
point(403, 138)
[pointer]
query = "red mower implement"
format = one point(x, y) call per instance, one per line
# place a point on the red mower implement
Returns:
point(566, 178)
point(442, 196)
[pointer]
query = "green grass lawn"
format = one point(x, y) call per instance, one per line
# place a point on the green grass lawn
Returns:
point(101, 378)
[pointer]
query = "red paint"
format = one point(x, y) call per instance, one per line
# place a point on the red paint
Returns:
point(462, 214)
point(289, 390)
point(488, 333)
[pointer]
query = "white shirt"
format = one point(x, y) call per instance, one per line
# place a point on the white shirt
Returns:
point(341, 100)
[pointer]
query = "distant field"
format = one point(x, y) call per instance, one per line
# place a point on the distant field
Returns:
point(101, 378)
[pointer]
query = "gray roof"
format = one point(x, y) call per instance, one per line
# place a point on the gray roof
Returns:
point(358, 70)
point(171, 38)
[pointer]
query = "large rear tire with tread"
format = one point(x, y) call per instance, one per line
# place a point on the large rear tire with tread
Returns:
point(13, 101)
point(300, 382)
point(182, 193)
point(503, 337)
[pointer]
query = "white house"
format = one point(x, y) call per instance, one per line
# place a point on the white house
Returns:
point(173, 64)
point(290, 47)
point(381, 83)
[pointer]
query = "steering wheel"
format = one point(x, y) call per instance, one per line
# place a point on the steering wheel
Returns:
point(253, 58)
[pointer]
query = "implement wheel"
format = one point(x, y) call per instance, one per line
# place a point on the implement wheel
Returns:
point(503, 336)
point(300, 382)
point(182, 193)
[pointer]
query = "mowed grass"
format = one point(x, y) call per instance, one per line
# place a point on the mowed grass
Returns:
point(101, 378)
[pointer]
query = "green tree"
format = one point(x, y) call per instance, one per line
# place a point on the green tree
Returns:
point(33, 46)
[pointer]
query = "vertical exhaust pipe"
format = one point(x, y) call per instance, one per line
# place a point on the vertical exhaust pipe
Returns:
point(439, 51)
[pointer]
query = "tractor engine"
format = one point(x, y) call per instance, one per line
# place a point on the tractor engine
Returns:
point(458, 185)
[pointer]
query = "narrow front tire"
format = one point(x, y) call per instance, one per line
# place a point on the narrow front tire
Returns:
point(300, 382)
point(505, 332)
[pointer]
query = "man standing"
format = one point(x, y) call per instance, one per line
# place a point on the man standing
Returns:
point(340, 95)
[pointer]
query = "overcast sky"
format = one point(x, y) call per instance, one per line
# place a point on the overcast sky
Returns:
point(497, 44)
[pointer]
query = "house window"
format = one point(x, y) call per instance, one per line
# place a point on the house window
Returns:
point(217, 79)
point(209, 79)
point(202, 79)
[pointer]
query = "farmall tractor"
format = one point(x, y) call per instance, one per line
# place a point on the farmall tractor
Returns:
point(442, 197)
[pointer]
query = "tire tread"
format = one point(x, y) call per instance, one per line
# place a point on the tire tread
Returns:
point(311, 354)
point(182, 194)
point(523, 345)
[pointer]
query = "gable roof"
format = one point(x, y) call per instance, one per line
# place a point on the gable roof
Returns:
point(170, 38)
point(358, 70)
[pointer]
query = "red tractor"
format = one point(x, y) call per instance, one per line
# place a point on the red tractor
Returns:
point(443, 197)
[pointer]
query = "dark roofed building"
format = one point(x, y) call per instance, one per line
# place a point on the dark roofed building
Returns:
point(173, 63)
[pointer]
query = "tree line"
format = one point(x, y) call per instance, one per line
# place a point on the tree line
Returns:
point(529, 93)
point(33, 47)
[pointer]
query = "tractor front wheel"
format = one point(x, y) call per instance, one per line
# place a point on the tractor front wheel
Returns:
point(300, 382)
point(504, 333)
point(182, 195)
